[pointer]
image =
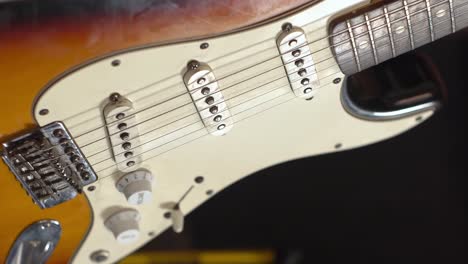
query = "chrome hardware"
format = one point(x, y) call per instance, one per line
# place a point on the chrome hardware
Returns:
point(208, 99)
point(122, 130)
point(298, 62)
point(361, 113)
point(36, 243)
point(48, 164)
point(99, 255)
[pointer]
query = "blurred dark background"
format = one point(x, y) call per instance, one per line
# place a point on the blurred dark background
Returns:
point(398, 201)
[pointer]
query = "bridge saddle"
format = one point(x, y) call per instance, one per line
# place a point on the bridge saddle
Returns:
point(48, 164)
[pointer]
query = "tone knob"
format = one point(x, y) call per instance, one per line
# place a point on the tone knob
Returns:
point(136, 186)
point(124, 225)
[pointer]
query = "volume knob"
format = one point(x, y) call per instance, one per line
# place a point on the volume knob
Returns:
point(124, 225)
point(136, 186)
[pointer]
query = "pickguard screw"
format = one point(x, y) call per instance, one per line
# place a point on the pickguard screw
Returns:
point(287, 27)
point(337, 80)
point(167, 215)
point(204, 45)
point(115, 63)
point(114, 97)
point(209, 192)
point(338, 146)
point(99, 255)
point(44, 112)
point(91, 188)
point(193, 65)
point(199, 179)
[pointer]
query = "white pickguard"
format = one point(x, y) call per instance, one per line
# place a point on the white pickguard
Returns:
point(292, 130)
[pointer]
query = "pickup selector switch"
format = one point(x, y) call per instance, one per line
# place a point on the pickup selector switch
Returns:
point(124, 225)
point(136, 186)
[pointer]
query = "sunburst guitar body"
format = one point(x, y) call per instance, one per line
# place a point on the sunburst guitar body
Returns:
point(121, 117)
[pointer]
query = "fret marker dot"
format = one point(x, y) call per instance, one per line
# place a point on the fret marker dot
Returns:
point(400, 29)
point(440, 13)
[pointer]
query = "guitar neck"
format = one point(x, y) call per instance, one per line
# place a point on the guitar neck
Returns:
point(385, 32)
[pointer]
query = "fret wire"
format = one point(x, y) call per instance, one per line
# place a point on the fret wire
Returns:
point(457, 6)
point(371, 36)
point(397, 40)
point(452, 17)
point(389, 28)
point(429, 17)
point(353, 43)
point(408, 21)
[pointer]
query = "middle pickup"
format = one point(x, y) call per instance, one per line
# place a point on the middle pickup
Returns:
point(208, 98)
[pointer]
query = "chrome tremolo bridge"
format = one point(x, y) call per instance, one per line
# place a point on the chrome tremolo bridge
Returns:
point(48, 164)
point(298, 62)
point(208, 99)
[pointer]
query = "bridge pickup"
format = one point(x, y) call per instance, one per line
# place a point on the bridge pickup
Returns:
point(48, 164)
point(208, 98)
point(298, 62)
point(123, 133)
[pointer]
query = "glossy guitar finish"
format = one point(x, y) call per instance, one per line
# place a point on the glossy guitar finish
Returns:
point(52, 37)
point(41, 45)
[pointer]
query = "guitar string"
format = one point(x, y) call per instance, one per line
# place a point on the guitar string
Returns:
point(186, 116)
point(95, 141)
point(204, 128)
point(307, 43)
point(206, 133)
point(192, 114)
point(201, 129)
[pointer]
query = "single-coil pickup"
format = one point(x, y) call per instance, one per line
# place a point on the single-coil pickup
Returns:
point(208, 98)
point(122, 129)
point(298, 62)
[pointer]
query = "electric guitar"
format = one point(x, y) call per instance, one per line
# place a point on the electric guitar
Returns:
point(121, 117)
